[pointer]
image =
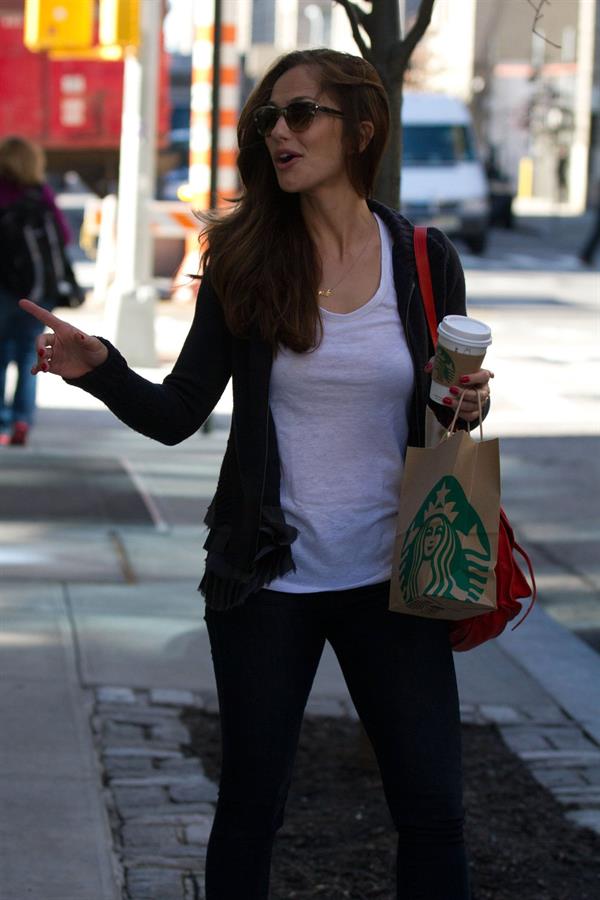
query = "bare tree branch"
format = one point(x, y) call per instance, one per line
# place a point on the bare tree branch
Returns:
point(357, 17)
point(538, 5)
point(401, 51)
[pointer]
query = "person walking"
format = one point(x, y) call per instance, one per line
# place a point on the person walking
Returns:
point(592, 242)
point(23, 192)
point(309, 301)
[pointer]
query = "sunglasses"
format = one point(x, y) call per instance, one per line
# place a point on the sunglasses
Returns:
point(298, 115)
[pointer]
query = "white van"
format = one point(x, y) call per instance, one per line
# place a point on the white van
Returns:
point(443, 179)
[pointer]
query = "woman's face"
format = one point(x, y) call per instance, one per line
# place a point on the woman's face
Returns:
point(316, 156)
point(433, 536)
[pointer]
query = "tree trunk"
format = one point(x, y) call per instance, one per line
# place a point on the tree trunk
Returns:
point(388, 184)
point(390, 54)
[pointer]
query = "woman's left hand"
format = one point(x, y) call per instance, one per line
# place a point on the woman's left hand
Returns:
point(470, 386)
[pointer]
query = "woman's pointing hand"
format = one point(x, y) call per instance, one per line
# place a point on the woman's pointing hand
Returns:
point(65, 350)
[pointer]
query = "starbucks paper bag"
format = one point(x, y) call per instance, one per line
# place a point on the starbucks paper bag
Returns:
point(447, 533)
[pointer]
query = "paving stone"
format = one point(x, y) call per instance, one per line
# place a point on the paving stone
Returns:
point(552, 778)
point(185, 779)
point(139, 715)
point(142, 751)
point(325, 706)
point(544, 714)
point(115, 695)
point(193, 888)
point(173, 813)
point(565, 757)
point(198, 832)
point(117, 766)
point(154, 883)
point(162, 836)
point(120, 730)
point(131, 800)
point(589, 793)
point(211, 704)
point(592, 775)
point(183, 764)
point(501, 715)
point(568, 739)
point(172, 697)
point(198, 792)
point(587, 818)
point(524, 739)
point(173, 731)
point(193, 862)
point(562, 758)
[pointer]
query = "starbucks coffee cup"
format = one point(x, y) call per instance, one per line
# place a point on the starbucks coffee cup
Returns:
point(462, 343)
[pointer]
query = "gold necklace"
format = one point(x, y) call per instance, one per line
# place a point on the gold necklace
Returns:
point(327, 292)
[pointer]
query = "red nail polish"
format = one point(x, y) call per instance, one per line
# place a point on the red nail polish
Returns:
point(454, 390)
point(45, 367)
point(448, 401)
point(41, 351)
point(464, 379)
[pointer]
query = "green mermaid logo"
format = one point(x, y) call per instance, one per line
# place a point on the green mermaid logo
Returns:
point(446, 552)
point(444, 370)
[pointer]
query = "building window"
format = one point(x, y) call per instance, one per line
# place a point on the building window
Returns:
point(314, 23)
point(263, 22)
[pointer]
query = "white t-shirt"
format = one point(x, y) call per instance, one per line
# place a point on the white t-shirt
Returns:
point(341, 418)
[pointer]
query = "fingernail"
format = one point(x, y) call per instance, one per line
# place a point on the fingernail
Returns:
point(448, 401)
point(41, 351)
point(454, 390)
point(45, 367)
point(429, 367)
point(464, 379)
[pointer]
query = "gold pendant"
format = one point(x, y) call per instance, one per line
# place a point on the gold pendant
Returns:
point(326, 292)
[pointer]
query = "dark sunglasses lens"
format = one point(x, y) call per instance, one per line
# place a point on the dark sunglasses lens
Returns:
point(265, 118)
point(300, 115)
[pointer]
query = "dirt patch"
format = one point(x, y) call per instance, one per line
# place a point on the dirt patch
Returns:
point(338, 841)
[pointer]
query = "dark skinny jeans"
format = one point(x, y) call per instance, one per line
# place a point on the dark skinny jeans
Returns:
point(400, 674)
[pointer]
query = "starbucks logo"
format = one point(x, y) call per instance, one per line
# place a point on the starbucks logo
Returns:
point(446, 551)
point(444, 370)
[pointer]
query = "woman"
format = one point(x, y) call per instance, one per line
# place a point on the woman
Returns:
point(22, 168)
point(309, 302)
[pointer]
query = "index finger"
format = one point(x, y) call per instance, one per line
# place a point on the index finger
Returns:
point(41, 314)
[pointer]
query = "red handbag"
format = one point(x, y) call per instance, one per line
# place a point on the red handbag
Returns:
point(511, 584)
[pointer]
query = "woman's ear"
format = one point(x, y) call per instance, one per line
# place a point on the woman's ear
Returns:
point(367, 130)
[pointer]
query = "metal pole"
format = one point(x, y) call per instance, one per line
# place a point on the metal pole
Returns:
point(131, 299)
point(216, 105)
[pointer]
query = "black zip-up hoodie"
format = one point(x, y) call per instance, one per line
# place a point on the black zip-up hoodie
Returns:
point(249, 542)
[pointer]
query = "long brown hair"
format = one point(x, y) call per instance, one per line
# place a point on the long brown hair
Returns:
point(263, 264)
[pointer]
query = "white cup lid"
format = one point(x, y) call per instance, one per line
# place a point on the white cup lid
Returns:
point(471, 332)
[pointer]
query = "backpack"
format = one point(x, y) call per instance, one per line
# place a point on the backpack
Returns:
point(33, 260)
point(511, 584)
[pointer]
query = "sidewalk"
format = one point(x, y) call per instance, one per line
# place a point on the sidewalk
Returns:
point(106, 597)
point(103, 643)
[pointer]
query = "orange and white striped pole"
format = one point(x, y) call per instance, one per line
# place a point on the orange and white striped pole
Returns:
point(226, 183)
point(211, 185)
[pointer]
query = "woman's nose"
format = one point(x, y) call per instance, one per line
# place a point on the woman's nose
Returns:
point(281, 127)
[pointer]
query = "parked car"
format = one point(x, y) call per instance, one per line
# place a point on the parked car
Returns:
point(443, 178)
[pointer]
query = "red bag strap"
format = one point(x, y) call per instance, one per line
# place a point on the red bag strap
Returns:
point(520, 550)
point(424, 275)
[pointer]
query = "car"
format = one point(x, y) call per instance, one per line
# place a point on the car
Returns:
point(444, 182)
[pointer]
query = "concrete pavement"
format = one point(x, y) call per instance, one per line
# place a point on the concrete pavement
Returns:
point(103, 645)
